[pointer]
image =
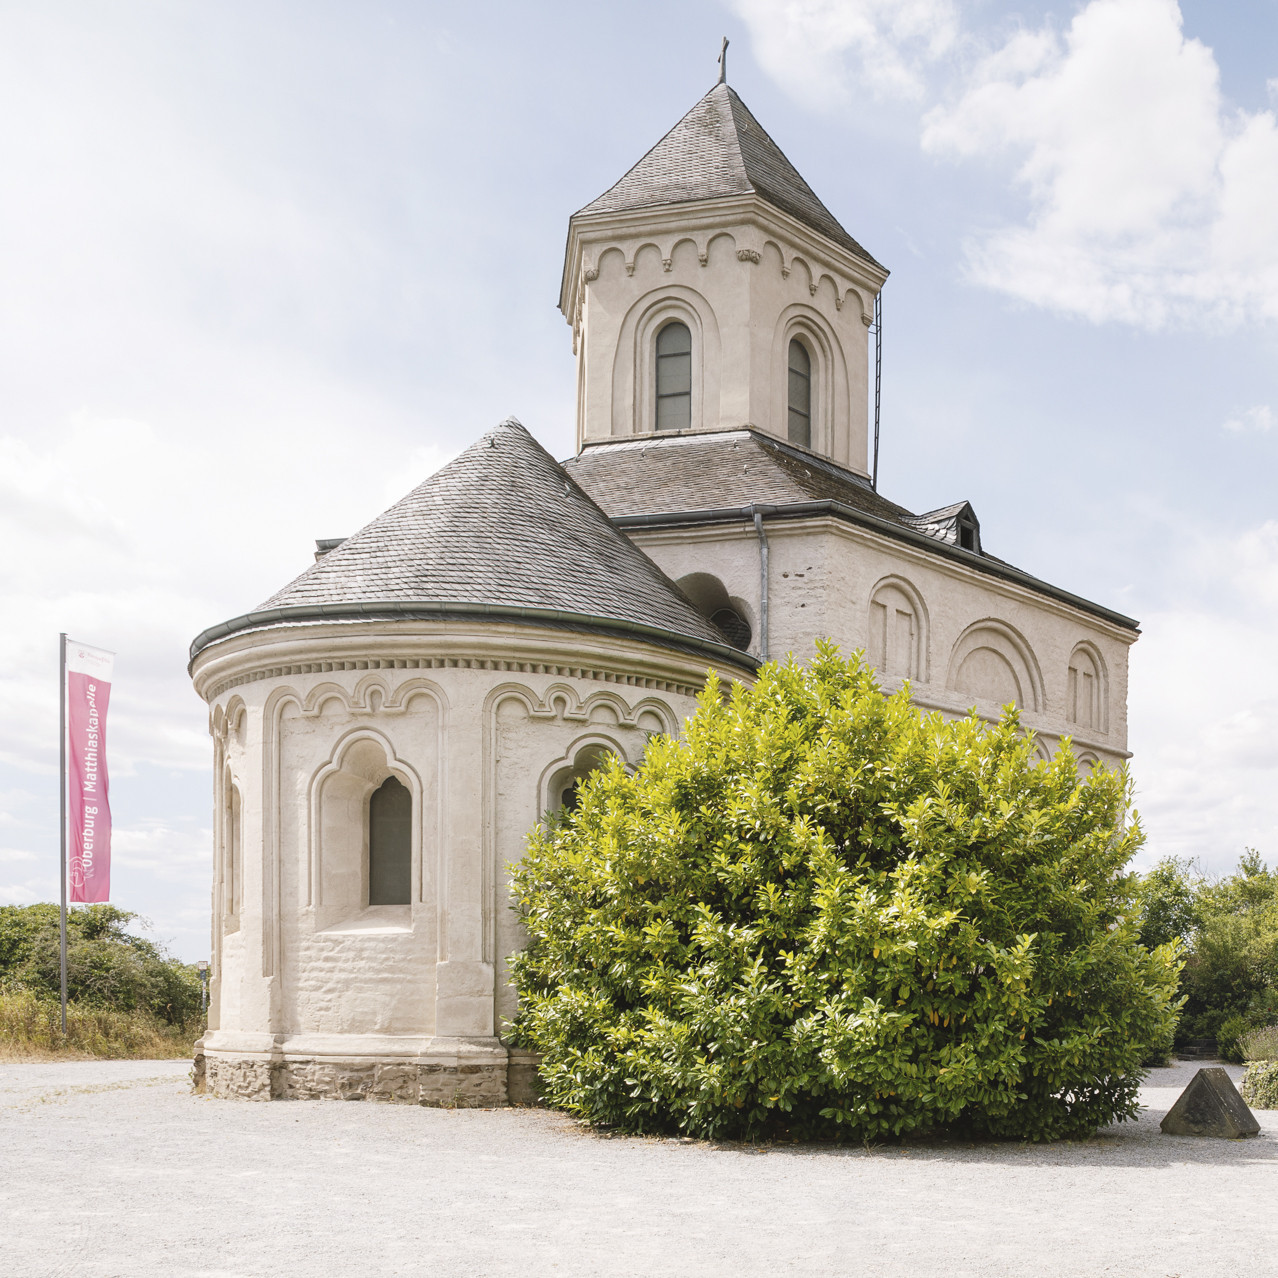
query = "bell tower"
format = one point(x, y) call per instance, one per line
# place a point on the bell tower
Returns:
point(709, 289)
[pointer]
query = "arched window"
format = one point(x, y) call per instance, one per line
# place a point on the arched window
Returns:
point(711, 598)
point(233, 865)
point(565, 785)
point(390, 843)
point(799, 395)
point(674, 377)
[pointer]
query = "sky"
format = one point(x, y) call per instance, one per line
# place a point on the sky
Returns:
point(263, 267)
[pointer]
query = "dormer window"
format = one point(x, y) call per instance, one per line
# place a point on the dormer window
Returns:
point(674, 377)
point(799, 395)
point(969, 535)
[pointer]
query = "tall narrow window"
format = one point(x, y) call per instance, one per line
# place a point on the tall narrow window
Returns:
point(674, 377)
point(390, 843)
point(800, 395)
point(234, 855)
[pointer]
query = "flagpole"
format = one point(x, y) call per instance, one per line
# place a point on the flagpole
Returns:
point(62, 772)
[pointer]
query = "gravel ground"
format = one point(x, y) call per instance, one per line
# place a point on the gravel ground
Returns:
point(114, 1168)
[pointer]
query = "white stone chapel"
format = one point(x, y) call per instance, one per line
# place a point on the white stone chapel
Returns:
point(389, 726)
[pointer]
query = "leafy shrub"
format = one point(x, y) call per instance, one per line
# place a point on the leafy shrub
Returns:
point(1168, 896)
point(1260, 1044)
point(1230, 1035)
point(1230, 979)
point(107, 966)
point(1260, 1085)
point(825, 913)
point(31, 1028)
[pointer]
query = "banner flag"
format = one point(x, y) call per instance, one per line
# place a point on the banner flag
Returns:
point(88, 692)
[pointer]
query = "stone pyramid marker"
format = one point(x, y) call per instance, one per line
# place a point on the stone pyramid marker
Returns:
point(1210, 1106)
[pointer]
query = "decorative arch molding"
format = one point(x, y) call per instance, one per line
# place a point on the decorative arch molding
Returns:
point(829, 377)
point(1087, 689)
point(595, 261)
point(900, 630)
point(559, 703)
point(563, 701)
point(337, 804)
point(226, 721)
point(1087, 761)
point(277, 702)
point(372, 694)
point(634, 367)
point(582, 757)
point(993, 662)
point(813, 276)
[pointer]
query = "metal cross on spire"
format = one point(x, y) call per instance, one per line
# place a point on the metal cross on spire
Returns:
point(723, 62)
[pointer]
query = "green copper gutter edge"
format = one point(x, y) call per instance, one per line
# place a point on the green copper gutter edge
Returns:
point(828, 506)
point(431, 610)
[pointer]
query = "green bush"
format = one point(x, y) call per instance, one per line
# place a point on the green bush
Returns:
point(107, 966)
point(1260, 1044)
point(1230, 1035)
point(31, 1029)
point(825, 913)
point(1230, 980)
point(1168, 896)
point(1260, 1085)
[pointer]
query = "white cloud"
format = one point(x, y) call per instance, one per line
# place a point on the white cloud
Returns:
point(1258, 419)
point(823, 49)
point(1204, 703)
point(1150, 201)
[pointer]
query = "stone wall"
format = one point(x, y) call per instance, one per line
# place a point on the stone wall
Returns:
point(398, 1083)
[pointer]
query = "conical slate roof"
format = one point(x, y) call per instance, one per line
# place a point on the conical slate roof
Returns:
point(719, 149)
point(500, 531)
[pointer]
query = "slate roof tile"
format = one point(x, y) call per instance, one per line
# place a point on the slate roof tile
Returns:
point(719, 149)
point(717, 470)
point(726, 471)
point(501, 525)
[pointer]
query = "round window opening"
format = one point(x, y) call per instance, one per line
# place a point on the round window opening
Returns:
point(734, 625)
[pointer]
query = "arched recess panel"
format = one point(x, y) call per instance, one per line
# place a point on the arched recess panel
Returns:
point(233, 857)
point(731, 614)
point(634, 374)
point(1087, 690)
point(828, 380)
point(897, 639)
point(342, 794)
point(537, 745)
point(993, 664)
point(561, 780)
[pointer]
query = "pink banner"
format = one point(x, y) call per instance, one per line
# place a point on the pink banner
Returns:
point(89, 673)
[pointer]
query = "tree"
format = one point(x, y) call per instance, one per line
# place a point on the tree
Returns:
point(107, 965)
point(824, 912)
point(1168, 896)
point(1231, 973)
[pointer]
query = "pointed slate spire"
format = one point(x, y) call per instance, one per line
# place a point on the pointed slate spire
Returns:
point(501, 530)
point(719, 149)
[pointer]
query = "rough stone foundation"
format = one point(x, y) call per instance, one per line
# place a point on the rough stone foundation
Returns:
point(398, 1083)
